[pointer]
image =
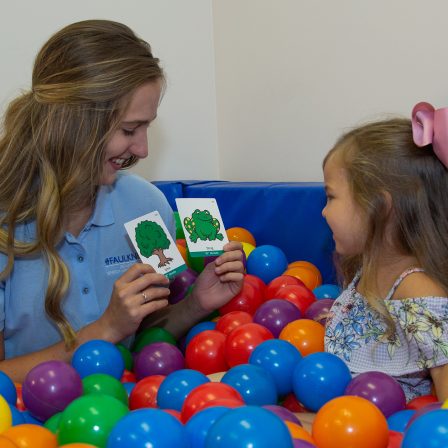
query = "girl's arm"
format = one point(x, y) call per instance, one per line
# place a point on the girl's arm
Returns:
point(440, 378)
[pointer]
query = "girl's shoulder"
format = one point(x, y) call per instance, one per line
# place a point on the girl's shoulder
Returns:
point(418, 284)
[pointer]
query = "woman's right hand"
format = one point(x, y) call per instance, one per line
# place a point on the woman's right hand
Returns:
point(137, 293)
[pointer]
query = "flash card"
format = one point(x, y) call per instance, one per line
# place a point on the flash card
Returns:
point(203, 227)
point(154, 244)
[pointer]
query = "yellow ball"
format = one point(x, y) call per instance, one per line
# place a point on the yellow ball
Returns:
point(247, 248)
point(5, 415)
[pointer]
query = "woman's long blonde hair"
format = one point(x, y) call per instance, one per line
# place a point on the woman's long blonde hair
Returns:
point(383, 162)
point(53, 138)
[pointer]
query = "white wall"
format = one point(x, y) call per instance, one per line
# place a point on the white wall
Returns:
point(183, 140)
point(258, 89)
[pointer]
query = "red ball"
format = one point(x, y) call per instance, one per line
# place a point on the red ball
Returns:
point(278, 283)
point(128, 377)
point(248, 299)
point(231, 320)
point(420, 402)
point(144, 393)
point(202, 396)
point(395, 439)
point(256, 281)
point(299, 295)
point(205, 352)
point(242, 341)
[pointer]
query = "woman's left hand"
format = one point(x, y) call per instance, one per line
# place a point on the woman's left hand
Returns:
point(220, 280)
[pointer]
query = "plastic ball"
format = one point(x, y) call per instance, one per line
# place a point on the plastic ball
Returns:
point(53, 423)
point(280, 282)
point(129, 386)
point(395, 439)
point(240, 234)
point(176, 386)
point(90, 419)
point(5, 415)
point(29, 418)
point(327, 291)
point(299, 295)
point(198, 328)
point(6, 443)
point(206, 352)
point(19, 403)
point(298, 432)
point(255, 281)
point(7, 388)
point(429, 430)
point(30, 436)
point(49, 387)
point(100, 383)
point(318, 378)
point(128, 377)
point(242, 341)
point(248, 426)
point(208, 394)
point(381, 389)
point(180, 285)
point(232, 320)
point(350, 421)
point(158, 358)
point(399, 420)
point(148, 428)
point(305, 334)
point(319, 310)
point(279, 358)
point(248, 300)
point(266, 262)
point(127, 356)
point(425, 409)
point(421, 401)
point(300, 443)
point(16, 415)
point(198, 426)
point(150, 335)
point(305, 271)
point(275, 314)
point(255, 384)
point(98, 356)
point(144, 393)
point(283, 413)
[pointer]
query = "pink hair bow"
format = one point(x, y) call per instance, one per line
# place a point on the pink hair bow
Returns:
point(430, 126)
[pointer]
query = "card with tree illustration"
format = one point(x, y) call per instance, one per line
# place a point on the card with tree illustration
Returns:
point(154, 244)
point(203, 226)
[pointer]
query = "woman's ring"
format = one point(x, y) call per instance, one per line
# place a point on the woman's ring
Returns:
point(145, 298)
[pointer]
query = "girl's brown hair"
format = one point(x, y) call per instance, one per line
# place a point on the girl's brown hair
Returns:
point(53, 139)
point(398, 185)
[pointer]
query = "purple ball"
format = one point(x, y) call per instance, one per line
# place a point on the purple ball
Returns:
point(158, 358)
point(275, 314)
point(179, 286)
point(283, 413)
point(49, 387)
point(429, 407)
point(380, 389)
point(300, 443)
point(319, 310)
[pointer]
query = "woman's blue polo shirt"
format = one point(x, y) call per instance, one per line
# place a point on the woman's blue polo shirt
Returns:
point(96, 258)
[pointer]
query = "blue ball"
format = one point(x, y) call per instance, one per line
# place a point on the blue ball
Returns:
point(399, 420)
point(7, 388)
point(199, 328)
point(318, 378)
point(98, 356)
point(249, 426)
point(198, 426)
point(148, 428)
point(266, 262)
point(255, 384)
point(327, 291)
point(176, 386)
point(430, 430)
point(17, 417)
point(280, 358)
point(129, 386)
point(28, 418)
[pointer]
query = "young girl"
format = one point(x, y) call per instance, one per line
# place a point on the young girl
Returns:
point(95, 90)
point(386, 206)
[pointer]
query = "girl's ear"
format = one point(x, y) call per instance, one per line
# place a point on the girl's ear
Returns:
point(388, 202)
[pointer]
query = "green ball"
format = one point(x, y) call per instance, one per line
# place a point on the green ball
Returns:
point(195, 263)
point(101, 383)
point(53, 422)
point(179, 229)
point(127, 356)
point(90, 419)
point(150, 335)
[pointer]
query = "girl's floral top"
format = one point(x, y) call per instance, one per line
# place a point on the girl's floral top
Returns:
point(355, 332)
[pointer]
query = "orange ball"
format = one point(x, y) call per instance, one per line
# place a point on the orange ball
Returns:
point(77, 445)
point(240, 234)
point(31, 436)
point(6, 443)
point(306, 272)
point(298, 432)
point(350, 421)
point(183, 252)
point(305, 334)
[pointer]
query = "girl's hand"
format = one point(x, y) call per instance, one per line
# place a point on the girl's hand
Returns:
point(220, 280)
point(137, 293)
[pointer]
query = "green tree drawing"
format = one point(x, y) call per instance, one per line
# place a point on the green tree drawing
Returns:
point(152, 240)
